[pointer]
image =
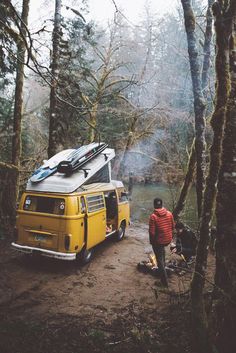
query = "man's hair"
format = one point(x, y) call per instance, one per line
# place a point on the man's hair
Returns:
point(157, 203)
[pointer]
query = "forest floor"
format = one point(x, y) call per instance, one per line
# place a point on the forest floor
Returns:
point(49, 306)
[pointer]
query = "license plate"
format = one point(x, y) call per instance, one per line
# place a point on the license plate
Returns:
point(40, 237)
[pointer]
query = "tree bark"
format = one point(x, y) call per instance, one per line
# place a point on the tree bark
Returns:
point(187, 183)
point(207, 47)
point(128, 145)
point(199, 101)
point(192, 158)
point(222, 29)
point(8, 192)
point(93, 121)
point(18, 106)
point(53, 126)
point(225, 212)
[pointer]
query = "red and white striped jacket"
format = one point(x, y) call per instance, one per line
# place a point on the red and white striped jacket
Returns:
point(161, 226)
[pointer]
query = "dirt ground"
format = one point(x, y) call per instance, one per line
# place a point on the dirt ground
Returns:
point(105, 306)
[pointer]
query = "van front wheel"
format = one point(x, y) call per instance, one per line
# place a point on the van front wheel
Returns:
point(85, 256)
point(121, 232)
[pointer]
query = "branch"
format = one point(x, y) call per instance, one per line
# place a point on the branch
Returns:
point(22, 28)
point(12, 33)
point(127, 101)
point(8, 166)
point(122, 80)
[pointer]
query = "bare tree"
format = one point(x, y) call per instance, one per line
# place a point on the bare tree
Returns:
point(18, 105)
point(21, 50)
point(199, 101)
point(106, 82)
point(10, 172)
point(189, 176)
point(100, 85)
point(204, 76)
point(53, 133)
point(207, 47)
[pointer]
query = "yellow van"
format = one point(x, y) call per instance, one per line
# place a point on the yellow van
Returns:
point(69, 226)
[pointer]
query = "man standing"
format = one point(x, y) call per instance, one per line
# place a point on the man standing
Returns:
point(161, 226)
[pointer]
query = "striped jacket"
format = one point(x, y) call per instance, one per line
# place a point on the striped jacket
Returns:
point(161, 226)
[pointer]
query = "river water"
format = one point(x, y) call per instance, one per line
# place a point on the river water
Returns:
point(142, 202)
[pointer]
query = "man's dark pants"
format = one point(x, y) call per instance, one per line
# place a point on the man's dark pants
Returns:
point(159, 251)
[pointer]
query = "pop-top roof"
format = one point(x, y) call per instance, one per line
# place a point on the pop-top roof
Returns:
point(60, 183)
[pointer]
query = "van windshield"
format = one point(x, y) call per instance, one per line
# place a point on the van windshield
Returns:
point(43, 204)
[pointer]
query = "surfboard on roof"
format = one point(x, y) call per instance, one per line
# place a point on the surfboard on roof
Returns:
point(67, 161)
point(64, 183)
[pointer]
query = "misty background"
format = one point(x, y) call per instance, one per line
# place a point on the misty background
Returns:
point(136, 63)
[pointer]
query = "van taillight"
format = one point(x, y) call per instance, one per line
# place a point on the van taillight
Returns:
point(15, 234)
point(67, 242)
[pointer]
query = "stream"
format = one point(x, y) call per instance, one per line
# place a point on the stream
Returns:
point(142, 202)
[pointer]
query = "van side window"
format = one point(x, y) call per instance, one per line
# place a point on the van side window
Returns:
point(95, 203)
point(123, 196)
point(82, 205)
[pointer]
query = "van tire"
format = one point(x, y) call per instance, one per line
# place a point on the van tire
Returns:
point(85, 256)
point(120, 232)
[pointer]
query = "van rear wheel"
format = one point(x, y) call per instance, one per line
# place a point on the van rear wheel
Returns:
point(85, 256)
point(121, 232)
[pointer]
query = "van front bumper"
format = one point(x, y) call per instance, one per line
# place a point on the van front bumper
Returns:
point(49, 253)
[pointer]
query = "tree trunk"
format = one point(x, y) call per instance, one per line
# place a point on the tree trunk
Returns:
point(11, 192)
point(225, 212)
point(129, 143)
point(21, 49)
point(53, 126)
point(8, 176)
point(207, 47)
point(187, 183)
point(192, 158)
point(93, 121)
point(199, 101)
point(217, 123)
point(130, 185)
